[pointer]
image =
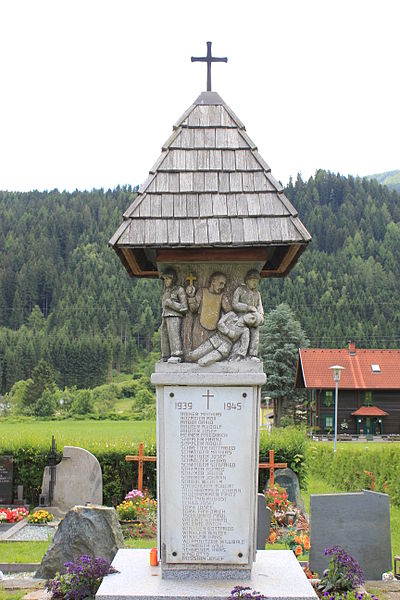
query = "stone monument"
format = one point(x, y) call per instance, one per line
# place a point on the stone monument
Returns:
point(78, 480)
point(210, 221)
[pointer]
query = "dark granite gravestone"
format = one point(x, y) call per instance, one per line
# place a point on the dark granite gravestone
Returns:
point(359, 523)
point(6, 479)
point(263, 521)
point(286, 478)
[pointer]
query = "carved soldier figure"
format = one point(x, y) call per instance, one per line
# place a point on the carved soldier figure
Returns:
point(247, 298)
point(174, 307)
point(207, 304)
point(232, 331)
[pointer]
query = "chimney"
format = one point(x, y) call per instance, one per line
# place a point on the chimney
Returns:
point(352, 348)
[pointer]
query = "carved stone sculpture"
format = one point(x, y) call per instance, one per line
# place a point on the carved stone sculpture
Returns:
point(174, 307)
point(232, 336)
point(207, 304)
point(247, 299)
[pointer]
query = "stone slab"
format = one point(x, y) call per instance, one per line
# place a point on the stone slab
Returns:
point(288, 480)
point(78, 479)
point(276, 573)
point(359, 523)
point(11, 531)
point(263, 521)
point(6, 479)
point(207, 476)
point(247, 365)
point(215, 378)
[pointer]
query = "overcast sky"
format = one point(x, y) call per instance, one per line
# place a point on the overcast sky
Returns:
point(90, 89)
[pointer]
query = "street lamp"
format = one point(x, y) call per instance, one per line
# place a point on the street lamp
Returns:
point(336, 378)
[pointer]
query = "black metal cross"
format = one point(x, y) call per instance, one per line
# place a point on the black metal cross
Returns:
point(52, 456)
point(209, 59)
point(208, 396)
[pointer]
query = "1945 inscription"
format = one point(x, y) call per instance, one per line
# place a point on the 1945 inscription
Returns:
point(209, 477)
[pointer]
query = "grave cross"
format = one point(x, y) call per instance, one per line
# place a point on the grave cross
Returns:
point(271, 465)
point(209, 59)
point(140, 459)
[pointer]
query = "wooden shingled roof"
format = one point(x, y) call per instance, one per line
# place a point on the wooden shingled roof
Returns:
point(210, 188)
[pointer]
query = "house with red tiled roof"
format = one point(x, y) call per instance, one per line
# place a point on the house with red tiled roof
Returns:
point(368, 390)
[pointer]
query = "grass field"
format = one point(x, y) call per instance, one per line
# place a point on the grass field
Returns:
point(87, 434)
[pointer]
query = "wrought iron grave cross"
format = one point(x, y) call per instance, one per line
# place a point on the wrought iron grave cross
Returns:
point(209, 59)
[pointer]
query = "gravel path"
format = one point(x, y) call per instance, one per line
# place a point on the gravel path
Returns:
point(33, 533)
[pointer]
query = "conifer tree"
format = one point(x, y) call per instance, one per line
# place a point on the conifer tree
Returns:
point(281, 338)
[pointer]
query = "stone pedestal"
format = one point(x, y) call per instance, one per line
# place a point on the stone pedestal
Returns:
point(207, 456)
point(276, 574)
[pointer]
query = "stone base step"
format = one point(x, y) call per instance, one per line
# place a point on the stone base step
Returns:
point(276, 574)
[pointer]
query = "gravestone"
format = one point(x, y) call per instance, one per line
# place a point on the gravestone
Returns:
point(78, 480)
point(263, 521)
point(359, 523)
point(6, 479)
point(286, 478)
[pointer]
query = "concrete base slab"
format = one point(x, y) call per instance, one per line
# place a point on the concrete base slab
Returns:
point(276, 574)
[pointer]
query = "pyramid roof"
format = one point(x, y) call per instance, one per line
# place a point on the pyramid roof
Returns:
point(211, 188)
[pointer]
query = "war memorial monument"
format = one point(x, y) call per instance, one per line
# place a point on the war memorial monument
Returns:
point(210, 221)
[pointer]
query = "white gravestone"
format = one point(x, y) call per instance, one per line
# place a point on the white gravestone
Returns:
point(207, 457)
point(78, 480)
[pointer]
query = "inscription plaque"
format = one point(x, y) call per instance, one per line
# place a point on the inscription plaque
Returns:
point(6, 479)
point(210, 474)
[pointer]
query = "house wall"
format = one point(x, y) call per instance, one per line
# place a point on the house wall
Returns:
point(351, 400)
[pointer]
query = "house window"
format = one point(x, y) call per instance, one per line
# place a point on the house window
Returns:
point(328, 398)
point(328, 422)
point(367, 400)
point(375, 368)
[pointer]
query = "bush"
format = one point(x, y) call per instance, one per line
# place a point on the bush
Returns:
point(354, 468)
point(289, 446)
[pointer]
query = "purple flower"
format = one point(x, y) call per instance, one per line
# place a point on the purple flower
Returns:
point(80, 579)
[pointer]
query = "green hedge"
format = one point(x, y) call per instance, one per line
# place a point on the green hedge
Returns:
point(290, 446)
point(346, 470)
point(119, 476)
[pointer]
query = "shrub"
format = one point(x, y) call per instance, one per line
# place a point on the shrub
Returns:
point(289, 446)
point(355, 468)
point(81, 580)
point(343, 573)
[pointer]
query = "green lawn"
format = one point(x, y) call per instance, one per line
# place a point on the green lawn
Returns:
point(87, 434)
point(14, 595)
point(22, 552)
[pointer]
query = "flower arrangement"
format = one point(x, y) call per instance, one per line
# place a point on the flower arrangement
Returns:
point(40, 516)
point(127, 510)
point(82, 578)
point(277, 500)
point(14, 515)
point(138, 531)
point(136, 509)
point(134, 495)
point(343, 572)
point(297, 541)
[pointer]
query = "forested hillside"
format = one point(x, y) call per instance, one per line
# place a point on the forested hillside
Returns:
point(389, 178)
point(66, 298)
